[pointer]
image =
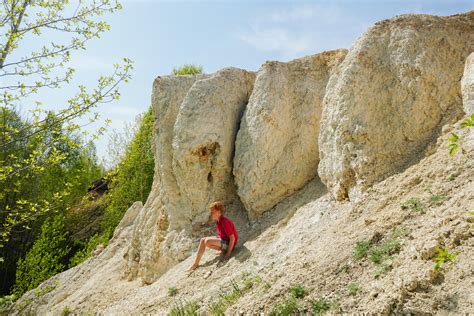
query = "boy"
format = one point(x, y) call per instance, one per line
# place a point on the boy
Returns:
point(227, 239)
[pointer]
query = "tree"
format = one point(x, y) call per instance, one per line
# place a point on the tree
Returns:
point(45, 257)
point(131, 181)
point(47, 134)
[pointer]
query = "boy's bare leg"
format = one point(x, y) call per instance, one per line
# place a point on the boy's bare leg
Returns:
point(209, 242)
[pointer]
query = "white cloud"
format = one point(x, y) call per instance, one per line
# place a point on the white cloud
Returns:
point(291, 31)
point(276, 39)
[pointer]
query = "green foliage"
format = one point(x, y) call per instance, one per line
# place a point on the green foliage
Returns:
point(66, 311)
point(226, 299)
point(298, 291)
point(133, 176)
point(44, 259)
point(185, 309)
point(454, 139)
point(5, 303)
point(289, 307)
point(381, 253)
point(46, 139)
point(172, 291)
point(321, 305)
point(361, 249)
point(437, 199)
point(413, 204)
point(85, 253)
point(45, 289)
point(444, 256)
point(131, 181)
point(187, 69)
point(353, 288)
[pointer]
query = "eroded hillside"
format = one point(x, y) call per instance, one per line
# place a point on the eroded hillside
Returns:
point(336, 170)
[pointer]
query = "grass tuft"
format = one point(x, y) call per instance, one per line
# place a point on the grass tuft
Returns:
point(187, 69)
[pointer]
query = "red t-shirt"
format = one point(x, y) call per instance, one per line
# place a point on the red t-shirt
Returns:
point(225, 227)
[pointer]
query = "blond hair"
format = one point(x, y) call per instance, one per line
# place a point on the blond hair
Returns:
point(217, 205)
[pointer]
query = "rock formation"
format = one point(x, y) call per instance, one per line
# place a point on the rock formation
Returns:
point(204, 137)
point(395, 89)
point(276, 148)
point(196, 122)
point(467, 85)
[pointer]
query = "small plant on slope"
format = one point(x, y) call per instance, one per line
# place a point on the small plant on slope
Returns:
point(414, 205)
point(353, 288)
point(320, 305)
point(185, 309)
point(444, 256)
point(172, 291)
point(298, 291)
point(289, 307)
point(454, 138)
point(361, 249)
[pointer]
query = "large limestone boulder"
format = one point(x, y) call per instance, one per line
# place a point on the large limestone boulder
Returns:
point(161, 233)
point(467, 85)
point(204, 137)
point(196, 121)
point(395, 89)
point(276, 148)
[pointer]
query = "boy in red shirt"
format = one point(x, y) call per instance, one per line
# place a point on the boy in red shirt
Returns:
point(226, 240)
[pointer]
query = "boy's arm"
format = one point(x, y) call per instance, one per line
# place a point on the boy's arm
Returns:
point(231, 246)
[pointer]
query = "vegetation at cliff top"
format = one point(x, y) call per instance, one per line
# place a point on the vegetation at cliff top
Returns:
point(187, 69)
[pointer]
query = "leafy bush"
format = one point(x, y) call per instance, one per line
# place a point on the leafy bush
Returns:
point(444, 256)
point(45, 258)
point(92, 243)
point(361, 249)
point(131, 181)
point(413, 204)
point(187, 69)
point(172, 291)
point(298, 291)
point(454, 139)
point(381, 254)
point(320, 305)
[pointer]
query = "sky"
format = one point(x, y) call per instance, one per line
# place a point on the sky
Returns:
point(159, 35)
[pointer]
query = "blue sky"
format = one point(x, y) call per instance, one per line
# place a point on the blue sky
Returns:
point(159, 35)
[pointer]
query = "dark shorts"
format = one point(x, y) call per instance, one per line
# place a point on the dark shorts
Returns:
point(224, 244)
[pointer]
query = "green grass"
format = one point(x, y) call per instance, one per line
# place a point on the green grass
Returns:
point(353, 288)
point(185, 309)
point(226, 299)
point(66, 311)
point(361, 249)
point(172, 291)
point(438, 199)
point(298, 291)
point(320, 306)
point(289, 307)
point(414, 205)
point(187, 69)
point(381, 254)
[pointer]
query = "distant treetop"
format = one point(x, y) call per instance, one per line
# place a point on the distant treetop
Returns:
point(187, 69)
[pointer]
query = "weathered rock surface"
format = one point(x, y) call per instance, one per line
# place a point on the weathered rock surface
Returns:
point(276, 148)
point(161, 236)
point(204, 137)
point(467, 85)
point(397, 86)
